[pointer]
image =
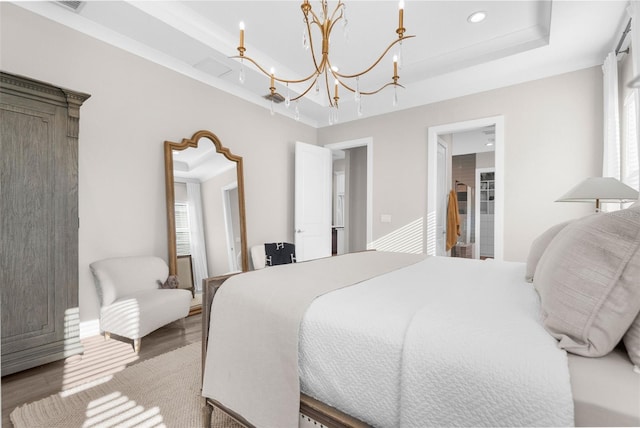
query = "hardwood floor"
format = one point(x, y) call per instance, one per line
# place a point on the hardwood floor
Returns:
point(101, 358)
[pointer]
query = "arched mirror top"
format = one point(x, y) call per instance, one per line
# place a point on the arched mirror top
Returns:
point(195, 140)
point(200, 159)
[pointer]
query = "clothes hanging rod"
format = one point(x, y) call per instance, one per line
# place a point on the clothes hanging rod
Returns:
point(624, 36)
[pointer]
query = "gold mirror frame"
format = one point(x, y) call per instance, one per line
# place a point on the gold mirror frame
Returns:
point(169, 147)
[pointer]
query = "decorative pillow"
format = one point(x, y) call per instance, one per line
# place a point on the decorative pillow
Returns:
point(539, 245)
point(588, 281)
point(279, 253)
point(171, 282)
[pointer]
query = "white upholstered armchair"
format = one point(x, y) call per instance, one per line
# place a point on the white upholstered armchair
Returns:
point(132, 304)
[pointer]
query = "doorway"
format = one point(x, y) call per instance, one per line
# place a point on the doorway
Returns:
point(352, 195)
point(434, 200)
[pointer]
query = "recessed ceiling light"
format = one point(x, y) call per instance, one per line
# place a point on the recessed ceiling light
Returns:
point(489, 144)
point(477, 17)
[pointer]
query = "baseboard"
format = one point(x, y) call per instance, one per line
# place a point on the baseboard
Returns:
point(89, 328)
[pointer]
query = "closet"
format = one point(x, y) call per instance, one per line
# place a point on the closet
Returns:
point(39, 126)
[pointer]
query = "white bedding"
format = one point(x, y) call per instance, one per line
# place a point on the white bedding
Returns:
point(446, 341)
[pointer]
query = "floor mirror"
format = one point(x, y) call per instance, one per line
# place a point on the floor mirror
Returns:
point(206, 226)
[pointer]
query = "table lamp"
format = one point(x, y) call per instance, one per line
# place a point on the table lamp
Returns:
point(605, 189)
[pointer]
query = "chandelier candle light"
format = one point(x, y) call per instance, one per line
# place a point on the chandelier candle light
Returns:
point(324, 68)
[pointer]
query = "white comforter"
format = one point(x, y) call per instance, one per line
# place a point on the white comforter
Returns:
point(444, 342)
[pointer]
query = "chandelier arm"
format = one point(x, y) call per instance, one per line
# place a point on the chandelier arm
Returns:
point(338, 78)
point(333, 22)
point(277, 79)
point(326, 81)
point(313, 52)
point(351, 76)
point(307, 90)
point(339, 7)
point(384, 86)
point(314, 19)
point(349, 88)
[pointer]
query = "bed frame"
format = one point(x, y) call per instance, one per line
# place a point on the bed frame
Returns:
point(312, 412)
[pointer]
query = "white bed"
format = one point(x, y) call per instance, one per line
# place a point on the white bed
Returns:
point(443, 341)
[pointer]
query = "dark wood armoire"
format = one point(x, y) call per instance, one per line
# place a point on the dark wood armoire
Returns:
point(39, 126)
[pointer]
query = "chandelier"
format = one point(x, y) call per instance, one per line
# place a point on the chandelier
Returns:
point(325, 73)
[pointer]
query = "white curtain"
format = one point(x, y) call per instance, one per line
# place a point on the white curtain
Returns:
point(611, 154)
point(634, 13)
point(196, 225)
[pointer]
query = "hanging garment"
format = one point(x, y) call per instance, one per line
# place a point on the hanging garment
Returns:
point(453, 220)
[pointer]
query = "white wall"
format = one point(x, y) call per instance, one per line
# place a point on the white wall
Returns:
point(135, 106)
point(357, 198)
point(485, 160)
point(553, 139)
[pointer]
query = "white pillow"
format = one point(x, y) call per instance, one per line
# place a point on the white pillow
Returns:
point(588, 280)
point(632, 336)
point(539, 245)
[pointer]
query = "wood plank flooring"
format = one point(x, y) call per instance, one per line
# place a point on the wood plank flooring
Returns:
point(101, 358)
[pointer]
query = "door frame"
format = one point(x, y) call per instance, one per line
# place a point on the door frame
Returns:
point(442, 246)
point(432, 171)
point(368, 143)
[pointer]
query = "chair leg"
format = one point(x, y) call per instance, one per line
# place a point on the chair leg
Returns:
point(107, 335)
point(136, 345)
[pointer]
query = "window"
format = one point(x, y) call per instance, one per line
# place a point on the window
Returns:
point(630, 170)
point(183, 233)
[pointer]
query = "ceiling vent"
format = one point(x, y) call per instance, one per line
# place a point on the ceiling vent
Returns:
point(72, 5)
point(276, 98)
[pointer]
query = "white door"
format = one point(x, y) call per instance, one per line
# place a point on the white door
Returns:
point(313, 192)
point(441, 213)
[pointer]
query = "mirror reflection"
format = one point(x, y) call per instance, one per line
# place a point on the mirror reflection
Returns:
point(205, 209)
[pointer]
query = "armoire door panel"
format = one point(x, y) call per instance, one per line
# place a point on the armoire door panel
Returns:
point(38, 222)
point(26, 205)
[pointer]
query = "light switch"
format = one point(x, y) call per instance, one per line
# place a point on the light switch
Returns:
point(385, 218)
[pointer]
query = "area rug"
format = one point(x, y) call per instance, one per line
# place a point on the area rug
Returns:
point(160, 392)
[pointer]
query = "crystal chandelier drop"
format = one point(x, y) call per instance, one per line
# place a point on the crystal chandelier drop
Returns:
point(324, 72)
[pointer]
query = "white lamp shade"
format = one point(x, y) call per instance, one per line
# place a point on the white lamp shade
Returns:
point(600, 188)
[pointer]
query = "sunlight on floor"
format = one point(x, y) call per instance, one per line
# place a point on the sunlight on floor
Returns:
point(118, 410)
point(102, 358)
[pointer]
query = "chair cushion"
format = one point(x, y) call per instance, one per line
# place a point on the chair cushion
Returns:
point(122, 276)
point(138, 314)
point(258, 256)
